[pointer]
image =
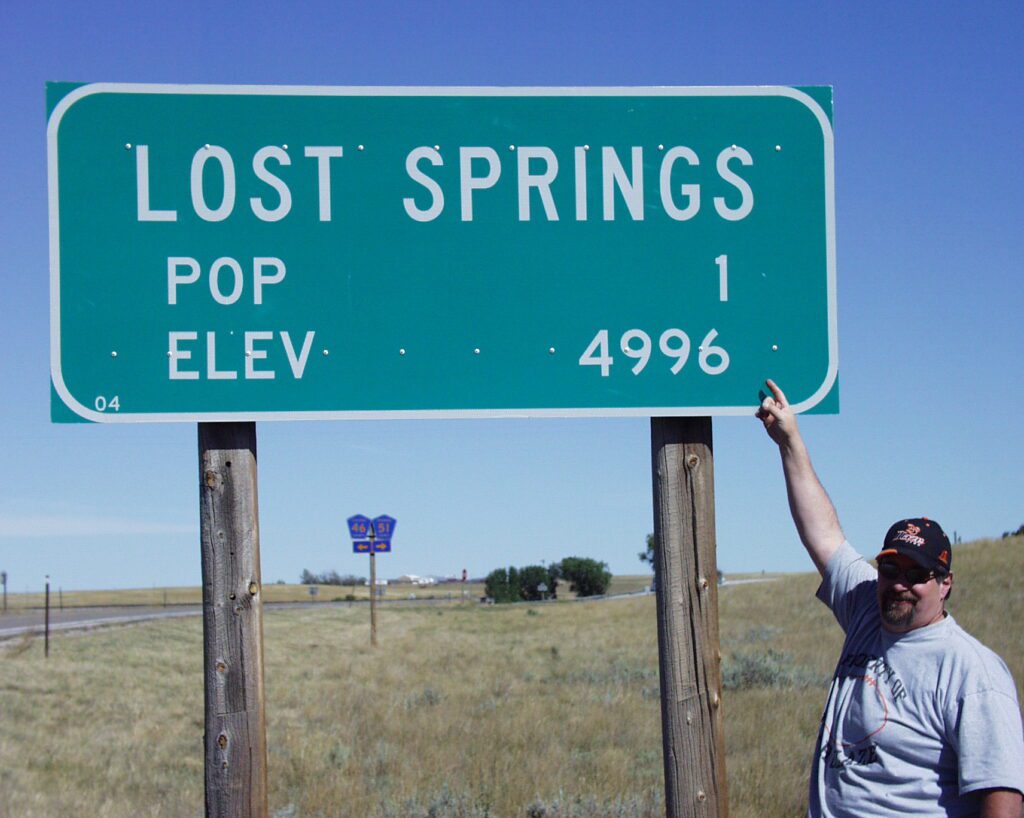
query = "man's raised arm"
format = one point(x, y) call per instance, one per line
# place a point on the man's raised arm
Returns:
point(813, 512)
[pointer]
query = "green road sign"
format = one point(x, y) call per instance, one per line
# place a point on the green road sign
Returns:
point(227, 253)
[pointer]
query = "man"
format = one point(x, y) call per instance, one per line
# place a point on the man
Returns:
point(921, 718)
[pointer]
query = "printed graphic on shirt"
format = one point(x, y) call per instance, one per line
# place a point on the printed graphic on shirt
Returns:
point(866, 689)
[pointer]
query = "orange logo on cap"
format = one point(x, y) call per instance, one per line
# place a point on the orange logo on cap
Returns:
point(944, 557)
point(912, 529)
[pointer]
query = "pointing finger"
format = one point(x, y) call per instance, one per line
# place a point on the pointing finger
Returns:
point(780, 396)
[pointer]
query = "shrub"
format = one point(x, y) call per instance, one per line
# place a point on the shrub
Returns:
point(530, 579)
point(427, 698)
point(647, 555)
point(329, 578)
point(578, 806)
point(497, 586)
point(586, 577)
point(445, 804)
point(768, 669)
point(518, 584)
point(514, 589)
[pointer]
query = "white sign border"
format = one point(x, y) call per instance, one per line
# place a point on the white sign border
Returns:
point(79, 93)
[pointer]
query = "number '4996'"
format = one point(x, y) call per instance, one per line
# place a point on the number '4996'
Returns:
point(674, 344)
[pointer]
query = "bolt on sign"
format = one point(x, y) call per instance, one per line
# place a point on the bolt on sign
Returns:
point(248, 253)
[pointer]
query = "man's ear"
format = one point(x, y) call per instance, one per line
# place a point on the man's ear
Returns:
point(947, 584)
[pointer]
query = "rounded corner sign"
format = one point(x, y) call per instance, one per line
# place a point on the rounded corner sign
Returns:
point(384, 527)
point(359, 526)
point(251, 252)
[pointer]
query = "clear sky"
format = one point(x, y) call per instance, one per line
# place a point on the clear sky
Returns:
point(929, 173)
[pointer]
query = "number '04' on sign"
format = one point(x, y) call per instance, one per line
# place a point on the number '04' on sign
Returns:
point(673, 343)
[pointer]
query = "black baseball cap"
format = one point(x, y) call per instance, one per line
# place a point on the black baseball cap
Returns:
point(922, 540)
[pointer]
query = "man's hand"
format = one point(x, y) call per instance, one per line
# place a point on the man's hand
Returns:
point(776, 415)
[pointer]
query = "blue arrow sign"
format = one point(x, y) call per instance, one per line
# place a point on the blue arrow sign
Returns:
point(359, 526)
point(382, 546)
point(384, 527)
point(361, 547)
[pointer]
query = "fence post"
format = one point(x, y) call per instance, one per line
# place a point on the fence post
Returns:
point(46, 627)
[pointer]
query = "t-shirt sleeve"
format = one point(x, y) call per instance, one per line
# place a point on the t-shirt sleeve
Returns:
point(990, 742)
point(847, 585)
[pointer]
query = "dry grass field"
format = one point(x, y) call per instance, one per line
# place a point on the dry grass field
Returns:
point(464, 711)
point(193, 595)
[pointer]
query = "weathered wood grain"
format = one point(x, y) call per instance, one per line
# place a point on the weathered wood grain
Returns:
point(687, 602)
point(235, 727)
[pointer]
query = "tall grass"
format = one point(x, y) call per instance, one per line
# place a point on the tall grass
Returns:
point(547, 711)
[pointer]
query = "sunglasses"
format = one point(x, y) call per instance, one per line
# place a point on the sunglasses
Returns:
point(914, 575)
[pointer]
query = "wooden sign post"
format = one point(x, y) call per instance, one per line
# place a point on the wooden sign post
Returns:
point(235, 726)
point(689, 655)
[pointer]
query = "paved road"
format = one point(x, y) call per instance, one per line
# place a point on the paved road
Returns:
point(16, 623)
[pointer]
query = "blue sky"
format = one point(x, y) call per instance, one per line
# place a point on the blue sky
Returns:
point(928, 117)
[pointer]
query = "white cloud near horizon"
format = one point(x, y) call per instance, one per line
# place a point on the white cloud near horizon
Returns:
point(14, 526)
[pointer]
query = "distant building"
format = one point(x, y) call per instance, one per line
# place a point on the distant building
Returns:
point(415, 579)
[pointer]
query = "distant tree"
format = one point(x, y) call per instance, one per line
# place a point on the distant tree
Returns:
point(329, 578)
point(586, 577)
point(648, 555)
point(495, 582)
point(521, 584)
point(515, 593)
point(497, 587)
point(530, 578)
point(554, 574)
point(1018, 533)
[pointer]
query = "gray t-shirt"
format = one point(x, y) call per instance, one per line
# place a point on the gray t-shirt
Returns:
point(915, 723)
